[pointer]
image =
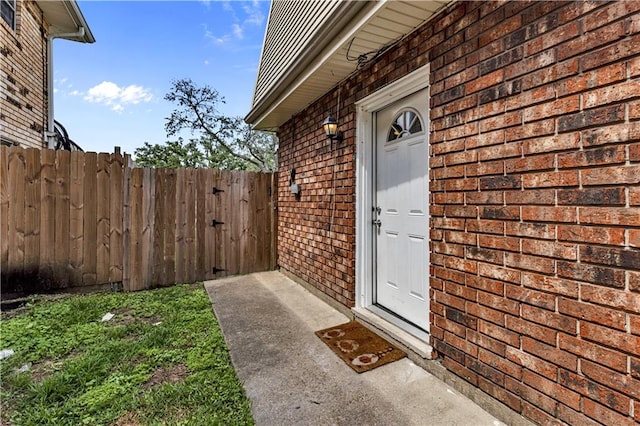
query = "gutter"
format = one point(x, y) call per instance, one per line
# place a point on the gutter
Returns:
point(83, 35)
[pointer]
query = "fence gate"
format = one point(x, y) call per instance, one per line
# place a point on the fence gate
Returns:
point(75, 219)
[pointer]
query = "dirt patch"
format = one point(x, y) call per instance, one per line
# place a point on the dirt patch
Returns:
point(128, 419)
point(44, 370)
point(125, 316)
point(173, 374)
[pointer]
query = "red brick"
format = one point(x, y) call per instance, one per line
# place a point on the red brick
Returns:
point(500, 363)
point(550, 284)
point(531, 97)
point(530, 163)
point(619, 299)
point(594, 352)
point(485, 226)
point(583, 311)
point(484, 81)
point(591, 117)
point(572, 417)
point(485, 313)
point(499, 303)
point(550, 179)
point(526, 328)
point(634, 196)
point(504, 243)
point(500, 212)
point(549, 319)
point(609, 337)
point(531, 263)
point(533, 363)
point(620, 382)
point(450, 326)
point(592, 157)
point(618, 133)
point(591, 273)
point(532, 230)
point(483, 197)
point(550, 109)
point(609, 216)
point(485, 168)
point(503, 28)
point(538, 399)
point(486, 342)
point(591, 234)
point(531, 64)
point(513, 149)
point(499, 333)
point(530, 197)
point(552, 38)
point(552, 389)
point(552, 143)
point(551, 354)
point(595, 78)
point(611, 94)
point(460, 237)
point(611, 175)
point(461, 344)
point(531, 297)
point(551, 74)
point(611, 12)
point(591, 40)
point(460, 290)
point(634, 237)
point(548, 214)
point(532, 130)
point(634, 152)
point(595, 391)
point(591, 196)
point(486, 284)
point(628, 259)
point(625, 48)
point(604, 414)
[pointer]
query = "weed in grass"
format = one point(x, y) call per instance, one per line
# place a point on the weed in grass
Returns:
point(124, 371)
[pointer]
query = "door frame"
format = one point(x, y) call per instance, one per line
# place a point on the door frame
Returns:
point(365, 187)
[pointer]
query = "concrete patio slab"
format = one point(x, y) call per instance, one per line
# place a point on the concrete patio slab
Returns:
point(292, 378)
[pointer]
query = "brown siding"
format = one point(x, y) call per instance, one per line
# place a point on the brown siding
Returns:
point(23, 77)
point(535, 200)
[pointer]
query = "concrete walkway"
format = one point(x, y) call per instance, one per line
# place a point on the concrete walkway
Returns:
point(292, 378)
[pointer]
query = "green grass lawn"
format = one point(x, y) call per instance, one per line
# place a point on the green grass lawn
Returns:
point(160, 360)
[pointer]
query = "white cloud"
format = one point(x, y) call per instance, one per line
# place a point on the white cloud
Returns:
point(110, 94)
point(252, 16)
point(238, 31)
point(253, 12)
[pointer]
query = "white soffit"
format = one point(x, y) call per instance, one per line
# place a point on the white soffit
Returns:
point(358, 28)
point(65, 20)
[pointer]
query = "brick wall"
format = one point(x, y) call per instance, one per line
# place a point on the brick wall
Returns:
point(23, 77)
point(535, 200)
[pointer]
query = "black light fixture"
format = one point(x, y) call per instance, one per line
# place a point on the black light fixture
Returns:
point(330, 127)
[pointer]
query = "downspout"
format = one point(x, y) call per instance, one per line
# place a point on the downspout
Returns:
point(50, 133)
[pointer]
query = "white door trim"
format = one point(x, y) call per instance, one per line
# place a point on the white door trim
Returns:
point(365, 174)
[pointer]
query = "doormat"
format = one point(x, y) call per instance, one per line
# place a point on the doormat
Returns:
point(359, 347)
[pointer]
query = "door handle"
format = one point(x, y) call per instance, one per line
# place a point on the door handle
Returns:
point(377, 222)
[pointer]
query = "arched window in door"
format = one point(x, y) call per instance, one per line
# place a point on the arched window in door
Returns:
point(405, 124)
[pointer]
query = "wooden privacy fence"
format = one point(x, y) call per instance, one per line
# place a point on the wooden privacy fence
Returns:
point(75, 219)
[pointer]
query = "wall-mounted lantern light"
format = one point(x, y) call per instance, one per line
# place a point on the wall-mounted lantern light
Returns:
point(330, 127)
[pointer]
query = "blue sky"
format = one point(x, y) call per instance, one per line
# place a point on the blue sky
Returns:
point(111, 92)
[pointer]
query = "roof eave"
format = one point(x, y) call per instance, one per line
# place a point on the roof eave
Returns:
point(66, 20)
point(325, 37)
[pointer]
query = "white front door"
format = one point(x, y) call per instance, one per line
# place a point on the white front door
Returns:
point(401, 222)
